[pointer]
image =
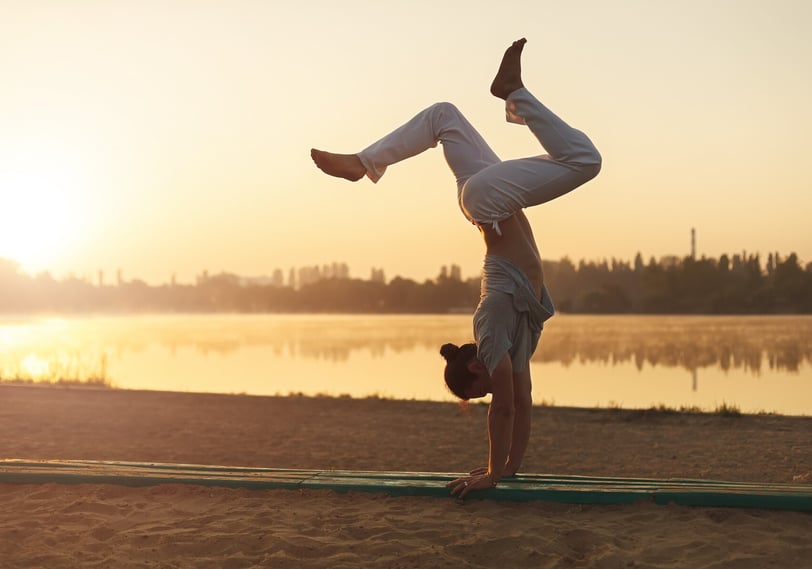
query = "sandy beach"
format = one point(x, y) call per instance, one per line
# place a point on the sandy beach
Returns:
point(53, 525)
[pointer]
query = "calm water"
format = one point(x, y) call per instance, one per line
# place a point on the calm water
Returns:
point(756, 363)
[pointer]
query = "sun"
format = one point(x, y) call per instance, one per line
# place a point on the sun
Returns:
point(41, 215)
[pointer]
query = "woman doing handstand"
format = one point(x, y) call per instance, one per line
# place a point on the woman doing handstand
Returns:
point(492, 194)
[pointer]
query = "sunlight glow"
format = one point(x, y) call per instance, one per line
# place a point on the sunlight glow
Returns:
point(40, 218)
point(35, 367)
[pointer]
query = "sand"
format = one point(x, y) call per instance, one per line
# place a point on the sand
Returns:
point(52, 525)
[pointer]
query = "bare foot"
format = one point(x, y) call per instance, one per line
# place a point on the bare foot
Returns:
point(347, 166)
point(509, 76)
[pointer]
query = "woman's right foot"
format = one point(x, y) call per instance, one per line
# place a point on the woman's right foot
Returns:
point(509, 76)
point(347, 166)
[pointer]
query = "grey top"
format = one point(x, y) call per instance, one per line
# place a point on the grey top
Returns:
point(509, 318)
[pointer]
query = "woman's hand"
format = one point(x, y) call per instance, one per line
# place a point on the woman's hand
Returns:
point(466, 484)
point(509, 471)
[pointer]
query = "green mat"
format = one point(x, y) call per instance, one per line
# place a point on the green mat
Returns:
point(526, 487)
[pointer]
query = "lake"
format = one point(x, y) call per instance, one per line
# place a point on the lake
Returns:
point(757, 363)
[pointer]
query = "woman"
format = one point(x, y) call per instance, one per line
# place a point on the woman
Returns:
point(492, 194)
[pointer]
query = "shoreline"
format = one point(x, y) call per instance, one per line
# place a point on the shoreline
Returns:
point(724, 409)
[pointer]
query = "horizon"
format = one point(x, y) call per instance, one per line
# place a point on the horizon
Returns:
point(177, 135)
point(122, 274)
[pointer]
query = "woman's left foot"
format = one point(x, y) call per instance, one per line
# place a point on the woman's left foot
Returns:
point(347, 166)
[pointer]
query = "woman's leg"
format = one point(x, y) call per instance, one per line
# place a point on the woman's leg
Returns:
point(466, 152)
point(563, 143)
point(501, 190)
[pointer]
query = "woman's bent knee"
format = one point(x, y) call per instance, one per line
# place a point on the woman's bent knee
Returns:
point(591, 170)
point(444, 109)
point(445, 106)
point(590, 165)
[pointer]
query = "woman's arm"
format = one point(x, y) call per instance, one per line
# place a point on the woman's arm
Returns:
point(501, 415)
point(523, 404)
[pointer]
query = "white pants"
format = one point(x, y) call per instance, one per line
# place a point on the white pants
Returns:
point(488, 189)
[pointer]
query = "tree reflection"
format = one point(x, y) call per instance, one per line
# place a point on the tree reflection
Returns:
point(780, 343)
point(748, 343)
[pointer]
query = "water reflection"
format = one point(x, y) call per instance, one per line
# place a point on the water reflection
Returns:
point(749, 343)
point(691, 342)
point(758, 363)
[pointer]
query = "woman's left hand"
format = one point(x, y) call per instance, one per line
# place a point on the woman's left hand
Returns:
point(466, 484)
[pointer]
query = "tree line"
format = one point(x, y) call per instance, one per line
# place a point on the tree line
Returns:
point(737, 284)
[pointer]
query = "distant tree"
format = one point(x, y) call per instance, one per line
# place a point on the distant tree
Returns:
point(609, 299)
point(638, 263)
point(792, 286)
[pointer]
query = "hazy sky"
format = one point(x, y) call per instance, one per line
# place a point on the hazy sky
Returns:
point(165, 137)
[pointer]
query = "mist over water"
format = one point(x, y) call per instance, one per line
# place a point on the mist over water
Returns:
point(758, 363)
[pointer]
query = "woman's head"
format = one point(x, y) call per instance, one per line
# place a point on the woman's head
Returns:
point(459, 377)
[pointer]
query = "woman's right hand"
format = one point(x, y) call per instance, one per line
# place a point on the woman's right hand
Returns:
point(509, 472)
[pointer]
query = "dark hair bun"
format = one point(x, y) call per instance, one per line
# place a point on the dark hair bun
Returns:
point(449, 351)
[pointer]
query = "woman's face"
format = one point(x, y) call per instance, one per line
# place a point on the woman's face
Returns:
point(481, 386)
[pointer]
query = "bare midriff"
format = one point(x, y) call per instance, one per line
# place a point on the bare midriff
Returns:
point(517, 244)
